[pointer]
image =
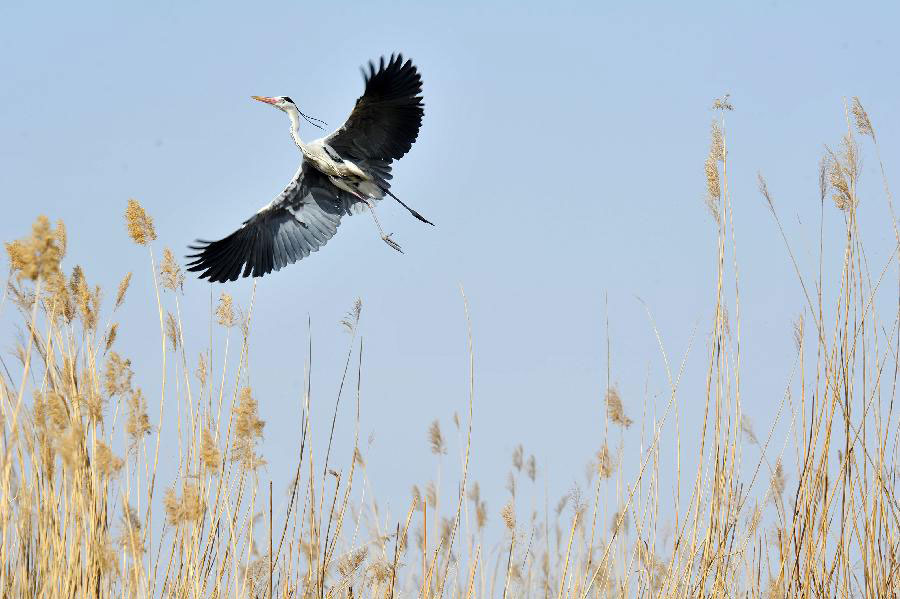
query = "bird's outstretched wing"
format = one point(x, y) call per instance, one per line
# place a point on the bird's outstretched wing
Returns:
point(299, 221)
point(386, 119)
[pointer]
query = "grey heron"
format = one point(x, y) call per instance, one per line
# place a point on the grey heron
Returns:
point(341, 174)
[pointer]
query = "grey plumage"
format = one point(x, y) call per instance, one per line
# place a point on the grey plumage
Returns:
point(385, 120)
point(340, 174)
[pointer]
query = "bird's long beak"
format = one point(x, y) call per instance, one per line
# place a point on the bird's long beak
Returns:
point(264, 99)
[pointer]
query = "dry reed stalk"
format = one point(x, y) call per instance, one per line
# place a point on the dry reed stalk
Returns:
point(826, 524)
point(424, 543)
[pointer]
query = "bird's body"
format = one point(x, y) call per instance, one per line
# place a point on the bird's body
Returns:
point(341, 174)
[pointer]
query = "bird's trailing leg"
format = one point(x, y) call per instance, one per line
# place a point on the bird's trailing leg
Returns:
point(411, 211)
point(387, 238)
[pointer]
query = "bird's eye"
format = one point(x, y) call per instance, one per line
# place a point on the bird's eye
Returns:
point(286, 99)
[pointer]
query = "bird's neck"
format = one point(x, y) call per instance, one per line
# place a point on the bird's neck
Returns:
point(295, 128)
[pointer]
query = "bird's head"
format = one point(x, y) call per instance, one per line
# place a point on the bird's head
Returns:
point(285, 104)
point(280, 102)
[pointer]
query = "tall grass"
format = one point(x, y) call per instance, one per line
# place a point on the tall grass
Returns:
point(85, 514)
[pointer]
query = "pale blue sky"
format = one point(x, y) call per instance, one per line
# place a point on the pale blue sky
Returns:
point(561, 157)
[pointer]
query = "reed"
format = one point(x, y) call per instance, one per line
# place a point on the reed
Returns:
point(84, 514)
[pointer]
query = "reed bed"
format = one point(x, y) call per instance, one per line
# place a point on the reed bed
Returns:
point(85, 514)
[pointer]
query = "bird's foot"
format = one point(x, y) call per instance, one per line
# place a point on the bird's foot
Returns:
point(387, 239)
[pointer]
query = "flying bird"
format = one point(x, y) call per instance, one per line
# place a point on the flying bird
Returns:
point(341, 174)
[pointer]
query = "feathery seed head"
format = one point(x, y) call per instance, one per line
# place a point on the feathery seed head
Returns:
point(839, 182)
point(71, 447)
point(187, 508)
point(777, 481)
point(723, 319)
point(108, 464)
point(18, 254)
point(823, 177)
point(619, 522)
point(713, 187)
point(446, 531)
point(202, 370)
point(210, 457)
point(578, 502)
point(716, 142)
point(474, 493)
point(137, 424)
point(481, 514)
point(123, 287)
point(52, 410)
point(248, 429)
point(605, 464)
point(39, 411)
point(76, 280)
point(615, 409)
point(850, 155)
point(863, 124)
point(508, 513)
point(172, 331)
point(416, 498)
point(225, 311)
point(711, 168)
point(118, 375)
point(39, 255)
point(799, 325)
point(753, 520)
point(88, 300)
point(170, 272)
point(350, 563)
point(111, 336)
point(515, 572)
point(380, 571)
point(60, 299)
point(747, 429)
point(62, 239)
point(764, 190)
point(22, 297)
point(436, 439)
point(511, 483)
point(92, 402)
point(140, 224)
point(351, 318)
point(843, 172)
point(518, 457)
point(107, 558)
point(431, 494)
